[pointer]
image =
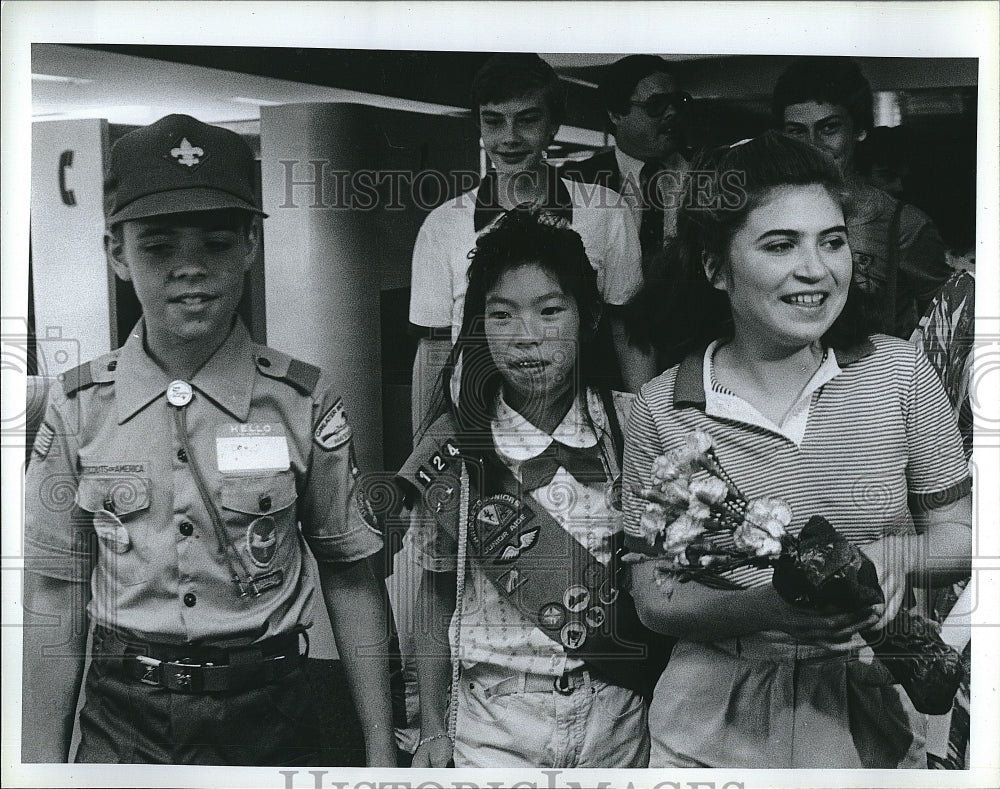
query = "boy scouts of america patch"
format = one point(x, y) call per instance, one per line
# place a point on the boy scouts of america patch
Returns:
point(43, 439)
point(333, 430)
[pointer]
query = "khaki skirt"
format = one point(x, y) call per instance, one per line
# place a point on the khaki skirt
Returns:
point(763, 701)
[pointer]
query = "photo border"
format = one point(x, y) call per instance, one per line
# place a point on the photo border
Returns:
point(903, 29)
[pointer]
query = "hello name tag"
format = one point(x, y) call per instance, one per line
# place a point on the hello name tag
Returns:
point(252, 446)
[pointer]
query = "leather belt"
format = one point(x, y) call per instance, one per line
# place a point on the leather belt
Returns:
point(196, 678)
point(197, 668)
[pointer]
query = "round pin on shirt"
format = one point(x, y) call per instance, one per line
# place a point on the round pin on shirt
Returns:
point(179, 393)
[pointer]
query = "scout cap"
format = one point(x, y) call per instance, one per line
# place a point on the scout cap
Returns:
point(176, 165)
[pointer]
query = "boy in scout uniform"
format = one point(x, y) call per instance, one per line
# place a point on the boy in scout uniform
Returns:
point(171, 492)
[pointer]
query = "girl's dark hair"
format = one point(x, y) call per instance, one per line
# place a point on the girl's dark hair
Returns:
point(521, 237)
point(687, 312)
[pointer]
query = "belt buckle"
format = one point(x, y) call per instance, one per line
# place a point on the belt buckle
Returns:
point(182, 674)
point(151, 667)
point(563, 684)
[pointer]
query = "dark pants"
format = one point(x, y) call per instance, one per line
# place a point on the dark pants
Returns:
point(124, 720)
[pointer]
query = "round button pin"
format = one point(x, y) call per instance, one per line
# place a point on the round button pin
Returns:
point(179, 393)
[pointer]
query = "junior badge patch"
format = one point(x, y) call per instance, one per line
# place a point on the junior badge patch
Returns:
point(333, 430)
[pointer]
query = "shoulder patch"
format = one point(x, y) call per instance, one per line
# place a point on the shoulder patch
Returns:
point(43, 440)
point(333, 430)
point(80, 377)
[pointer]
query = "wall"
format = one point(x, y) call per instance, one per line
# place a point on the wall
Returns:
point(71, 280)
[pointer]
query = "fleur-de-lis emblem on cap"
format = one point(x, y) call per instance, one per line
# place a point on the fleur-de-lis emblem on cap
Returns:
point(187, 154)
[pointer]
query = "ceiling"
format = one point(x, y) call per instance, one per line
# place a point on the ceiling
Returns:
point(136, 84)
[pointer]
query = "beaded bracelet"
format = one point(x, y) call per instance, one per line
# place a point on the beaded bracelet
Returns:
point(425, 740)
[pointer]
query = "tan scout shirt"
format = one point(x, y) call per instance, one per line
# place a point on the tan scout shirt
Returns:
point(115, 493)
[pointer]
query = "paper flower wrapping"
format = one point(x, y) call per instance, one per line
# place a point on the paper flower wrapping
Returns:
point(691, 499)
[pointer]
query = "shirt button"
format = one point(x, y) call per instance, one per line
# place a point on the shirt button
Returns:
point(264, 503)
point(112, 365)
point(187, 529)
point(264, 361)
point(190, 599)
point(182, 455)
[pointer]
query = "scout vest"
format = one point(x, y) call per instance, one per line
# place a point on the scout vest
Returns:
point(554, 581)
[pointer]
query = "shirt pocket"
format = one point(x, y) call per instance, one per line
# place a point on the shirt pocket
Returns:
point(116, 506)
point(260, 518)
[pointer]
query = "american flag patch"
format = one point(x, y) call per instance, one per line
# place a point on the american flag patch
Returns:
point(43, 439)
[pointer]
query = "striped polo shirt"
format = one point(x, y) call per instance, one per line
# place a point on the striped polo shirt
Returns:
point(879, 442)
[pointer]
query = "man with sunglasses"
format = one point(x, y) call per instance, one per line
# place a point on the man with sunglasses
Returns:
point(648, 113)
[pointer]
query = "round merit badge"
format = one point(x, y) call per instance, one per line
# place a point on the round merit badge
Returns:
point(594, 617)
point(179, 393)
point(552, 616)
point(262, 540)
point(573, 635)
point(576, 598)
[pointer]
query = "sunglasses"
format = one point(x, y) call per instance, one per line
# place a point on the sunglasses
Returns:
point(658, 103)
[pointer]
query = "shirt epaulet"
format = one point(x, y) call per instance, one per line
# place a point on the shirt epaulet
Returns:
point(301, 376)
point(96, 371)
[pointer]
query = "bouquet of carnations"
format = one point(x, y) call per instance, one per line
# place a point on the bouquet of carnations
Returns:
point(691, 501)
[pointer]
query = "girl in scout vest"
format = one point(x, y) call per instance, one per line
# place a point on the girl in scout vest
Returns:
point(516, 487)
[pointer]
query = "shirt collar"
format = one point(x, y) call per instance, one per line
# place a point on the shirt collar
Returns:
point(722, 404)
point(689, 387)
point(518, 440)
point(223, 378)
point(630, 167)
point(488, 208)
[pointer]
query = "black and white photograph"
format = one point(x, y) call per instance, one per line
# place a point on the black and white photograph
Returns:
point(501, 394)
